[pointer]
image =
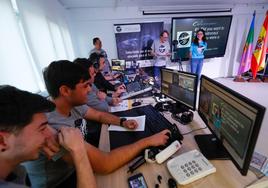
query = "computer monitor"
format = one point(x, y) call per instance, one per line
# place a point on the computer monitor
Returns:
point(118, 64)
point(233, 120)
point(180, 86)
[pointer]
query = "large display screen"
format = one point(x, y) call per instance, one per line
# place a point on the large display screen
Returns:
point(184, 30)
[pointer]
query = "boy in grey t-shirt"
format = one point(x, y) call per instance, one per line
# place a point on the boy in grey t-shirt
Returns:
point(68, 85)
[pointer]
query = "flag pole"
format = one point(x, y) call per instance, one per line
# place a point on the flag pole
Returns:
point(258, 57)
point(247, 52)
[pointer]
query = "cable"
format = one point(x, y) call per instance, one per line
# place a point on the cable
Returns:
point(194, 130)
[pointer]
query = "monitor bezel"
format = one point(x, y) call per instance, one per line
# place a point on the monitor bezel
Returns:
point(256, 126)
point(195, 87)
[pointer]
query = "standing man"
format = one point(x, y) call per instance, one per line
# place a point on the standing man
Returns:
point(98, 49)
point(161, 53)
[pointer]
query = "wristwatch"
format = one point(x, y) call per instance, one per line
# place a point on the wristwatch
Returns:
point(122, 121)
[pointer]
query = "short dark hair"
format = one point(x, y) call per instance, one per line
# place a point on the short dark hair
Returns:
point(164, 31)
point(95, 57)
point(95, 40)
point(85, 63)
point(63, 72)
point(17, 108)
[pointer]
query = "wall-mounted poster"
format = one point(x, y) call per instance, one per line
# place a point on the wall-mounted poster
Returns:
point(134, 41)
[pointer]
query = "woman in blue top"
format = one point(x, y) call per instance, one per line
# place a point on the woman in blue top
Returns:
point(197, 49)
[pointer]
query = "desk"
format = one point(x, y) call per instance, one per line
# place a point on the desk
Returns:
point(226, 175)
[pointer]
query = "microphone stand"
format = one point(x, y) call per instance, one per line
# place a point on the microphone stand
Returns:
point(175, 54)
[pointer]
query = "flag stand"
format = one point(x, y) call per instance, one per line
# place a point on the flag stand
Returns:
point(254, 80)
point(239, 79)
point(265, 79)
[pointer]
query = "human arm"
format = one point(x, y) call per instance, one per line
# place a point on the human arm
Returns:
point(107, 118)
point(107, 162)
point(101, 95)
point(101, 82)
point(71, 139)
point(113, 100)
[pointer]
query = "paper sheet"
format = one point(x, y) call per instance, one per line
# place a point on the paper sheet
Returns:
point(124, 105)
point(140, 120)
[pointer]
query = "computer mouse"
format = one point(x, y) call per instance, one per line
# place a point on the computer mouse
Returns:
point(136, 103)
point(172, 183)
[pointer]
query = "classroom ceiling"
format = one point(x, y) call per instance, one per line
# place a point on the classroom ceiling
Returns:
point(73, 4)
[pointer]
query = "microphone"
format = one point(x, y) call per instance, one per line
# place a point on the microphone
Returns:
point(175, 42)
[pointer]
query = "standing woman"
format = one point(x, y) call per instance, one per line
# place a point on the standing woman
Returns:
point(197, 49)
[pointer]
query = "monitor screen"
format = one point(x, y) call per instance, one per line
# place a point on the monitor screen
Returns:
point(118, 64)
point(233, 119)
point(180, 86)
point(184, 30)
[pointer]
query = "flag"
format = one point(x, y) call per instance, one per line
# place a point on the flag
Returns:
point(248, 49)
point(258, 58)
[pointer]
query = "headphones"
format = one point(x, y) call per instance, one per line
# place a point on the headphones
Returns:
point(96, 63)
point(184, 117)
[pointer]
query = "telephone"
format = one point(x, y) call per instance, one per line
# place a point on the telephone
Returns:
point(189, 166)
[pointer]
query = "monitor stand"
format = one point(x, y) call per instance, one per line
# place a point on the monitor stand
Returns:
point(210, 147)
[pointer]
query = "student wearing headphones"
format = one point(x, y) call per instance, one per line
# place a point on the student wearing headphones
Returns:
point(101, 83)
point(98, 49)
point(96, 99)
point(161, 53)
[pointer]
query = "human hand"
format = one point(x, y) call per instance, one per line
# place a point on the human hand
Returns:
point(116, 101)
point(71, 139)
point(158, 139)
point(117, 75)
point(168, 54)
point(120, 89)
point(130, 124)
point(51, 146)
point(101, 95)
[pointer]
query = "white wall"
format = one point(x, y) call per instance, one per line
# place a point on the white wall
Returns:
point(87, 23)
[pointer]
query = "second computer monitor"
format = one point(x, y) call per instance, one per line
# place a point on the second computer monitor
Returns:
point(180, 86)
point(234, 121)
point(118, 64)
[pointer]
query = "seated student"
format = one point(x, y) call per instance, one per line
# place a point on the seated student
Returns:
point(98, 49)
point(96, 99)
point(68, 85)
point(101, 83)
point(24, 131)
point(106, 71)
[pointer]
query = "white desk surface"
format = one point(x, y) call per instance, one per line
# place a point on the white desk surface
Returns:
point(226, 175)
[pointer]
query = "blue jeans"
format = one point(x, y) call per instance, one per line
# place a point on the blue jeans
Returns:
point(196, 66)
point(157, 76)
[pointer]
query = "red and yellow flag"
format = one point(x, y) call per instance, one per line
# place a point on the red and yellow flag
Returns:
point(258, 58)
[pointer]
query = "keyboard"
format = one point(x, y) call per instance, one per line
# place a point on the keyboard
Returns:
point(134, 93)
point(154, 123)
point(133, 87)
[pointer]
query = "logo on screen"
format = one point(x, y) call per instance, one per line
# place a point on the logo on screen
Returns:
point(184, 39)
